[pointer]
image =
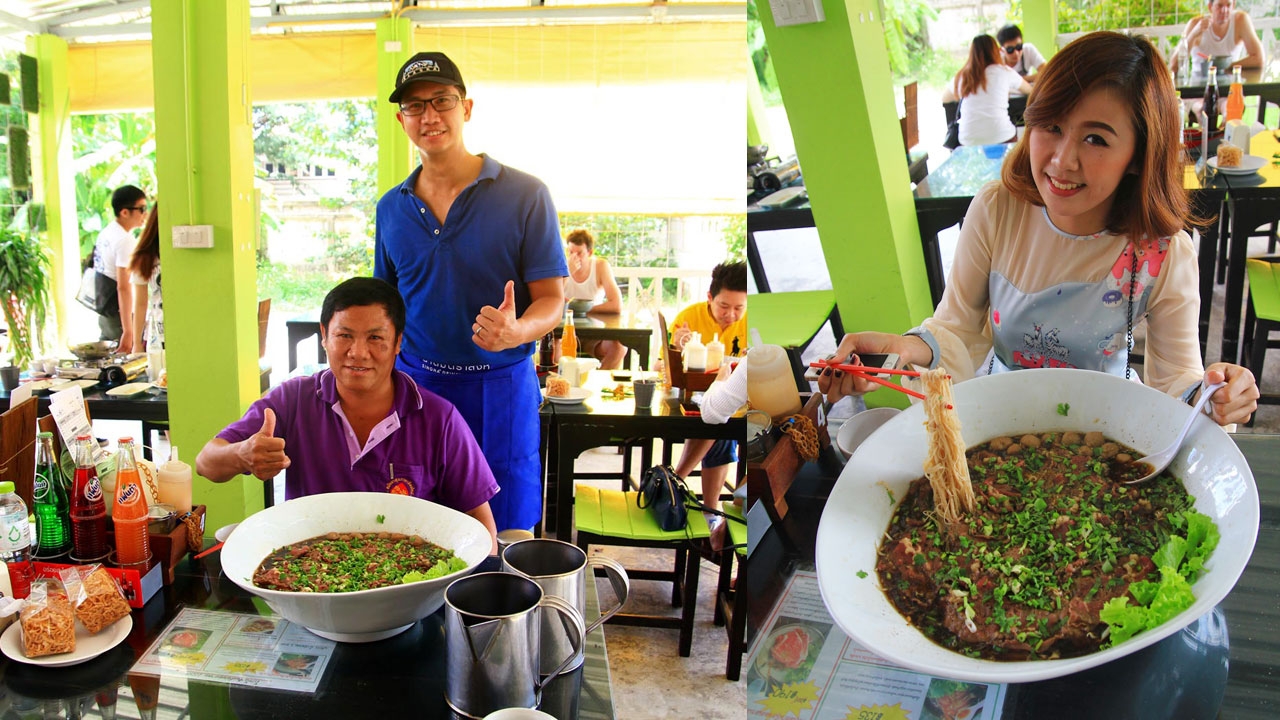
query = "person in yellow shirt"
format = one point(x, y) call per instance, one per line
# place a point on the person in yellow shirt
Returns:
point(724, 313)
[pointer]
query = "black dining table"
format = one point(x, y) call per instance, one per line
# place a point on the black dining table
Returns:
point(1225, 665)
point(1253, 201)
point(147, 406)
point(633, 334)
point(400, 677)
point(568, 430)
point(1263, 83)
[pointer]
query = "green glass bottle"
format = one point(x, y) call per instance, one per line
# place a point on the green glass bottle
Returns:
point(53, 512)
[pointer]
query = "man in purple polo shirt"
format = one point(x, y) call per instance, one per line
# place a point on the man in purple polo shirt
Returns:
point(360, 425)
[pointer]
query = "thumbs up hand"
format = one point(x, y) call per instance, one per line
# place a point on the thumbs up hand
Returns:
point(262, 453)
point(495, 328)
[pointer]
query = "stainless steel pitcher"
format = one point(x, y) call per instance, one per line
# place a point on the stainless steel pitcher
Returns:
point(493, 627)
point(561, 570)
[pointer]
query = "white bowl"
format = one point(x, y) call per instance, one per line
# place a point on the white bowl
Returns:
point(363, 615)
point(1210, 465)
point(859, 427)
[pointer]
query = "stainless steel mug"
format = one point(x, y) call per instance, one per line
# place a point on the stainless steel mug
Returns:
point(493, 627)
point(561, 569)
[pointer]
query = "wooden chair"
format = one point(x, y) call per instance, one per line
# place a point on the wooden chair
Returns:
point(1262, 318)
point(918, 160)
point(18, 448)
point(611, 517)
point(731, 605)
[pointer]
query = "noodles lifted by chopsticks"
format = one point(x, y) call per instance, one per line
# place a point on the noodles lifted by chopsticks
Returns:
point(945, 465)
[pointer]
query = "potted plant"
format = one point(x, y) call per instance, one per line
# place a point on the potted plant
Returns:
point(24, 292)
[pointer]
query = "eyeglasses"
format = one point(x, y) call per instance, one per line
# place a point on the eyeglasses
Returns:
point(441, 103)
point(1011, 49)
point(139, 209)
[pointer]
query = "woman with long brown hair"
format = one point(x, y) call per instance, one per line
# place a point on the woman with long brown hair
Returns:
point(1081, 239)
point(983, 86)
point(144, 273)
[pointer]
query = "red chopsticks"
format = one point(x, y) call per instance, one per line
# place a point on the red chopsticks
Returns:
point(206, 552)
point(863, 369)
point(869, 374)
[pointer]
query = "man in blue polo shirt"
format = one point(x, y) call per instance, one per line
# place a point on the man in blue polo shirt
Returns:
point(361, 424)
point(474, 248)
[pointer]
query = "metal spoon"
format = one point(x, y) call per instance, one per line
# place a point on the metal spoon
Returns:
point(1160, 460)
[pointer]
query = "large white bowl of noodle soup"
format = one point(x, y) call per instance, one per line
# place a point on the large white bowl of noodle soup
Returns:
point(1210, 465)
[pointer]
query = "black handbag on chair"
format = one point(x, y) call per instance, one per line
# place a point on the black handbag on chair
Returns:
point(953, 130)
point(662, 492)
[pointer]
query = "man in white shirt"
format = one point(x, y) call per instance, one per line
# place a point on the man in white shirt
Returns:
point(1022, 57)
point(111, 255)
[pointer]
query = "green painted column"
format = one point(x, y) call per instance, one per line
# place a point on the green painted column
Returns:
point(836, 86)
point(1040, 25)
point(54, 180)
point(758, 132)
point(395, 155)
point(204, 164)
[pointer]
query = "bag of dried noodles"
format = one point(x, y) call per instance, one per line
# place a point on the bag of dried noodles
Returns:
point(48, 621)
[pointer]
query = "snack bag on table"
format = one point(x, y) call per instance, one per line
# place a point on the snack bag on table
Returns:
point(48, 620)
point(99, 600)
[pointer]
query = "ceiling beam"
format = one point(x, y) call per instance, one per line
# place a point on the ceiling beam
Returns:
point(21, 23)
point(100, 11)
point(139, 27)
point(715, 12)
point(658, 11)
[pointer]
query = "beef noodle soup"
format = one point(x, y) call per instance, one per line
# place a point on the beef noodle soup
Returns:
point(1052, 537)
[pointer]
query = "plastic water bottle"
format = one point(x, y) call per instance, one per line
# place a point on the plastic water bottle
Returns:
point(15, 540)
point(53, 515)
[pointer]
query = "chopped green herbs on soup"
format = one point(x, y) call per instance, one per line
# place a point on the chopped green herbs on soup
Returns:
point(345, 562)
point(1058, 557)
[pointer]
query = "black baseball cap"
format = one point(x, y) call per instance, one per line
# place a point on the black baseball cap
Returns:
point(433, 67)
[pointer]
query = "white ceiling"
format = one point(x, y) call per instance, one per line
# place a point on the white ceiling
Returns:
point(117, 20)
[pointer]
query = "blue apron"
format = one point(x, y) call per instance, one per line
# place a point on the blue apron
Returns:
point(500, 406)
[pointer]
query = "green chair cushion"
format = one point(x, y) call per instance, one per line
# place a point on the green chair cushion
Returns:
point(1264, 288)
point(737, 530)
point(614, 513)
point(790, 319)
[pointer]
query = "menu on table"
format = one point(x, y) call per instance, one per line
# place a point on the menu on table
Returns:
point(238, 648)
point(802, 665)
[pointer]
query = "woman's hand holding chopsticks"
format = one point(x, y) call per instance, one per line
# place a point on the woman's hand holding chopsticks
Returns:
point(836, 383)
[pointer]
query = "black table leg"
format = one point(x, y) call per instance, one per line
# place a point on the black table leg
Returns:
point(1244, 217)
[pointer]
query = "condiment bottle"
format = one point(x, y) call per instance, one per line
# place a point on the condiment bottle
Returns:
point(546, 349)
point(53, 514)
point(694, 354)
point(1211, 100)
point(715, 353)
point(771, 387)
point(133, 544)
point(1235, 98)
point(88, 511)
point(175, 483)
point(568, 341)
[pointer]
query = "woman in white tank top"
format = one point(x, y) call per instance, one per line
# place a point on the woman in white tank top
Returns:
point(588, 275)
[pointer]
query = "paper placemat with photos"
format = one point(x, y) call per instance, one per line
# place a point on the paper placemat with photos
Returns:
point(238, 648)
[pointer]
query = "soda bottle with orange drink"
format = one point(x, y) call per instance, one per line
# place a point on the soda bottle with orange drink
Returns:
point(88, 510)
point(130, 513)
point(569, 340)
point(1235, 98)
